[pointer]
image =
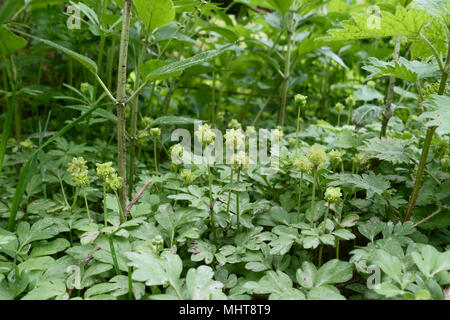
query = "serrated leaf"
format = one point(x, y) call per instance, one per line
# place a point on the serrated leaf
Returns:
point(367, 25)
point(388, 149)
point(390, 264)
point(372, 183)
point(201, 286)
point(334, 271)
point(366, 114)
point(439, 114)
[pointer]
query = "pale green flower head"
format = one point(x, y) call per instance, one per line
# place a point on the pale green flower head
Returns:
point(176, 153)
point(333, 195)
point(77, 165)
point(335, 157)
point(104, 170)
point(84, 87)
point(240, 161)
point(155, 132)
point(317, 156)
point(339, 107)
point(234, 138)
point(300, 100)
point(356, 159)
point(234, 124)
point(187, 176)
point(204, 134)
point(371, 84)
point(350, 101)
point(26, 144)
point(220, 116)
point(81, 179)
point(302, 164)
point(146, 121)
point(114, 182)
point(445, 162)
point(277, 134)
point(250, 129)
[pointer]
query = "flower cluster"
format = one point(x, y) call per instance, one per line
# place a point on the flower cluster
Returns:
point(350, 101)
point(234, 124)
point(277, 134)
point(26, 144)
point(106, 172)
point(339, 107)
point(79, 172)
point(300, 100)
point(335, 157)
point(302, 164)
point(333, 195)
point(204, 134)
point(176, 153)
point(155, 132)
point(187, 176)
point(84, 87)
point(317, 156)
point(234, 138)
point(240, 161)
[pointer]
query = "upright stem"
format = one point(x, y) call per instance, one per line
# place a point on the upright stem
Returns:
point(155, 155)
point(426, 146)
point(238, 216)
point(299, 194)
point(390, 95)
point(121, 102)
point(229, 192)
point(211, 204)
point(313, 197)
point(287, 70)
point(87, 205)
point(105, 214)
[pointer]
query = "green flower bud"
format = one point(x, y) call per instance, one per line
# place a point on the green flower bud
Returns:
point(300, 100)
point(234, 138)
point(176, 153)
point(234, 124)
point(146, 121)
point(333, 195)
point(84, 87)
point(220, 116)
point(77, 166)
point(26, 144)
point(187, 176)
point(250, 129)
point(371, 84)
point(277, 134)
point(335, 157)
point(317, 156)
point(445, 162)
point(155, 132)
point(356, 159)
point(114, 182)
point(205, 135)
point(81, 179)
point(302, 164)
point(104, 170)
point(350, 101)
point(240, 161)
point(339, 107)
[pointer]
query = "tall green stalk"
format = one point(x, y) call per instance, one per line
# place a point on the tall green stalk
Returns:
point(287, 69)
point(122, 102)
point(313, 197)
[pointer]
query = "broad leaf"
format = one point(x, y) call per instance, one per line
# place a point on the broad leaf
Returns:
point(155, 13)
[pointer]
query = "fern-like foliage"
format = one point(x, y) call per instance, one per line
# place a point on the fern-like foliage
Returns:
point(388, 149)
point(372, 183)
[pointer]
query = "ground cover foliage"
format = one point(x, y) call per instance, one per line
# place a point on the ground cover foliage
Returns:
point(98, 202)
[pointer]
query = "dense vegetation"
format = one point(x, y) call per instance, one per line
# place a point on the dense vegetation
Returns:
point(98, 201)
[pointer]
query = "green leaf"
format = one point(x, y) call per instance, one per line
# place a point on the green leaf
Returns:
point(45, 248)
point(334, 271)
point(154, 270)
point(430, 261)
point(271, 282)
point(46, 290)
point(201, 286)
point(8, 9)
point(371, 228)
point(389, 290)
point(306, 275)
point(365, 26)
point(344, 234)
point(281, 5)
point(325, 293)
point(439, 114)
point(85, 61)
point(155, 13)
point(388, 149)
point(372, 183)
point(173, 120)
point(152, 65)
point(390, 264)
point(9, 42)
point(366, 114)
point(434, 7)
point(173, 67)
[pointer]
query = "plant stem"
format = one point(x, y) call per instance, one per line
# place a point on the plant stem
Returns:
point(86, 203)
point(390, 95)
point(299, 193)
point(130, 284)
point(287, 70)
point(122, 213)
point(113, 255)
point(313, 196)
point(105, 210)
point(155, 155)
point(238, 216)
point(319, 262)
point(121, 102)
point(74, 199)
point(229, 192)
point(211, 209)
